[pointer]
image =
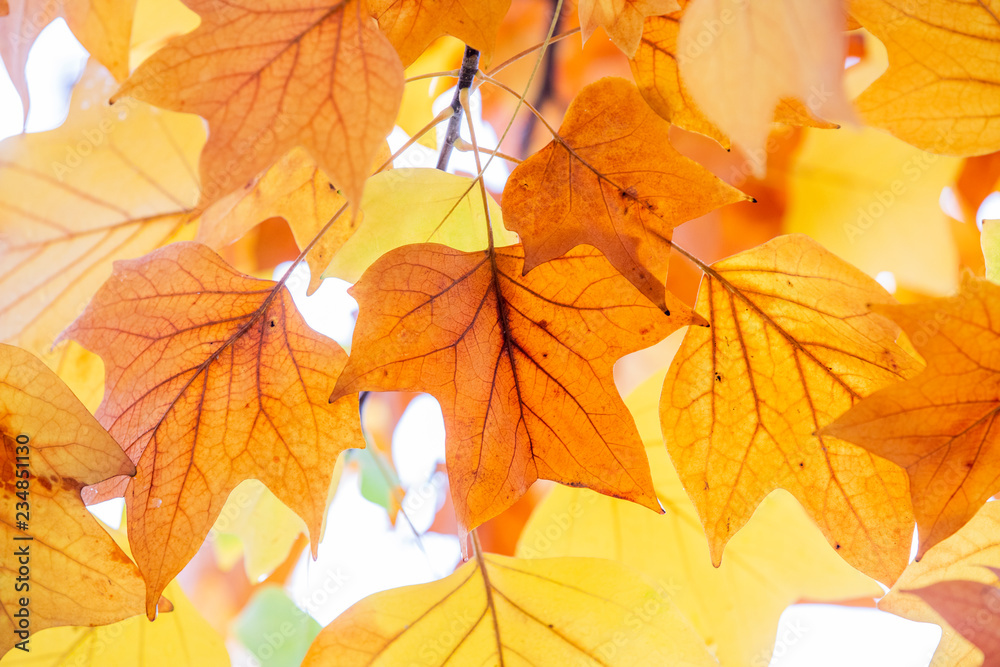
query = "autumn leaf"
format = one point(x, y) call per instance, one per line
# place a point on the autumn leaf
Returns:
point(656, 72)
point(621, 19)
point(939, 426)
point(72, 573)
point(791, 346)
point(738, 60)
point(104, 28)
point(777, 559)
point(960, 557)
point(411, 25)
point(438, 208)
point(212, 378)
point(267, 80)
point(940, 91)
point(522, 366)
point(654, 67)
point(110, 183)
point(612, 180)
point(499, 610)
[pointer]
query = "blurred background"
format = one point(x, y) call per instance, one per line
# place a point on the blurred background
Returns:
point(390, 523)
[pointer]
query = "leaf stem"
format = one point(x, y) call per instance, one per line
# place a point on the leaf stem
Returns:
point(470, 65)
point(479, 168)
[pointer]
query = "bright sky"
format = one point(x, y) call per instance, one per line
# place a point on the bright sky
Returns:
point(363, 553)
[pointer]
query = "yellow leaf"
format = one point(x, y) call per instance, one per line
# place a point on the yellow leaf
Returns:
point(181, 638)
point(792, 345)
point(873, 200)
point(264, 525)
point(779, 557)
point(990, 238)
point(112, 182)
point(58, 558)
point(498, 610)
point(738, 59)
point(942, 89)
point(437, 207)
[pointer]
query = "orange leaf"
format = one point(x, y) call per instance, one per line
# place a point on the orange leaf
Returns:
point(411, 25)
point(940, 426)
point(110, 183)
point(739, 60)
point(522, 366)
point(104, 28)
point(971, 608)
point(213, 378)
point(321, 76)
point(74, 573)
point(612, 180)
point(621, 19)
point(655, 69)
point(791, 346)
point(940, 92)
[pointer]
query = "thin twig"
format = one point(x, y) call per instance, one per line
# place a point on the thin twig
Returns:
point(470, 65)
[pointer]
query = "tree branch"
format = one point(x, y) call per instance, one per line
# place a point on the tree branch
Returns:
point(470, 65)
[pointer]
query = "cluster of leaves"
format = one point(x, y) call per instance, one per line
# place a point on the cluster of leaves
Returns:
point(802, 393)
